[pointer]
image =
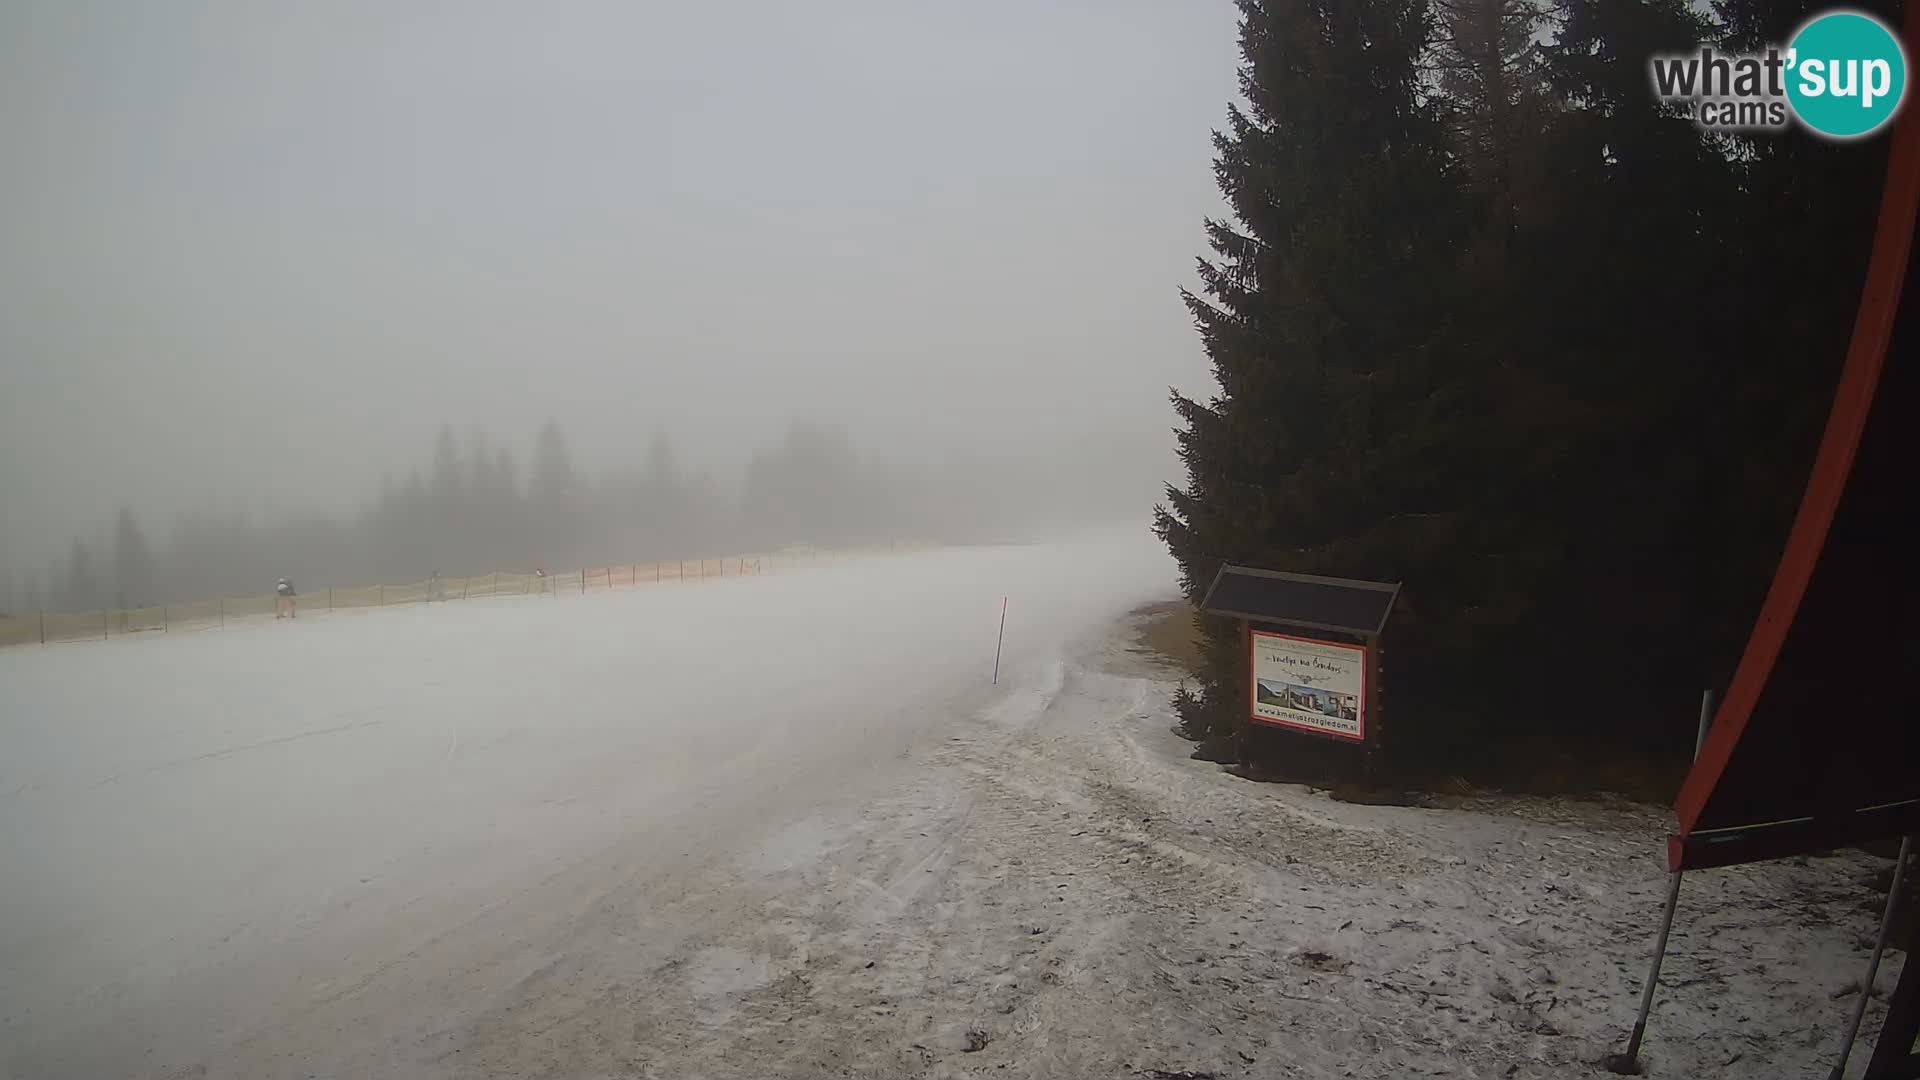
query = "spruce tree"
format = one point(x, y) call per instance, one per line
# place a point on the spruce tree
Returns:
point(1488, 63)
point(132, 563)
point(1629, 288)
point(80, 590)
point(1657, 430)
point(1336, 441)
point(555, 495)
point(1802, 201)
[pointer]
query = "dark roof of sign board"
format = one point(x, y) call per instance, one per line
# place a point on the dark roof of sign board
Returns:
point(1322, 603)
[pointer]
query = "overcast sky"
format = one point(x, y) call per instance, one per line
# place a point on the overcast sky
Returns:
point(260, 248)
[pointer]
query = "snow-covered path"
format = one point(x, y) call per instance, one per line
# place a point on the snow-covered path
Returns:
point(786, 827)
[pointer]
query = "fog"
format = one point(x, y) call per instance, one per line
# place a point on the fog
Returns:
point(257, 256)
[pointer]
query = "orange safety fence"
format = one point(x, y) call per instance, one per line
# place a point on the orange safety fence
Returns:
point(48, 627)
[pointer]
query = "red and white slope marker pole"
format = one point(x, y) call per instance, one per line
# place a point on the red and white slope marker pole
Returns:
point(998, 640)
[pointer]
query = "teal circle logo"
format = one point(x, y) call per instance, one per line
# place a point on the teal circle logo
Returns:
point(1846, 74)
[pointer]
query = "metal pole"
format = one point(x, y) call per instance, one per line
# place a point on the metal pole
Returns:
point(43, 626)
point(997, 640)
point(1900, 1029)
point(1706, 721)
point(329, 599)
point(103, 624)
point(1873, 962)
point(223, 612)
point(1628, 1063)
point(165, 628)
point(380, 596)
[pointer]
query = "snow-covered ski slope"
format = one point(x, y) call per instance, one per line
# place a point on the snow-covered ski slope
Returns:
point(270, 807)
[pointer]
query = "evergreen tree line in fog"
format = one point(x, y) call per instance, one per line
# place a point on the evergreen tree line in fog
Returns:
point(475, 509)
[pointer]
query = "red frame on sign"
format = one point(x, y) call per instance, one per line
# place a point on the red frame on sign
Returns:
point(1253, 689)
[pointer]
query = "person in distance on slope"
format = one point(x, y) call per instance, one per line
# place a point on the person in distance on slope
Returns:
point(284, 600)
